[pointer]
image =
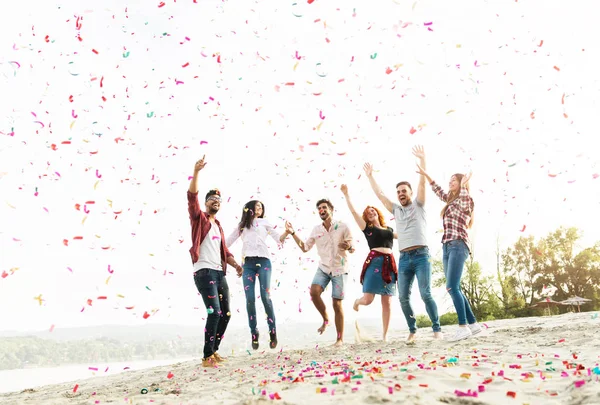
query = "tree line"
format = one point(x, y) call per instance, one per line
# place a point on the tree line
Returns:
point(24, 352)
point(555, 266)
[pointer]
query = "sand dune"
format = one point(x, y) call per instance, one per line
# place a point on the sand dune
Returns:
point(542, 360)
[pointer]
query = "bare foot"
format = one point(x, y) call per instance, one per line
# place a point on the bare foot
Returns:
point(438, 335)
point(323, 327)
point(355, 306)
point(411, 339)
point(385, 339)
point(339, 343)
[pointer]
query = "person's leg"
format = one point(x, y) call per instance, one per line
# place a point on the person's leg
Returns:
point(386, 311)
point(225, 313)
point(366, 299)
point(264, 277)
point(319, 283)
point(423, 273)
point(371, 283)
point(456, 252)
point(249, 282)
point(406, 276)
point(205, 283)
point(337, 294)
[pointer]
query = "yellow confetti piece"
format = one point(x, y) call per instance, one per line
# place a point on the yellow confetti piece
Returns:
point(449, 111)
point(458, 45)
point(96, 184)
point(296, 65)
point(319, 126)
point(120, 296)
point(7, 203)
point(72, 123)
point(83, 220)
point(107, 280)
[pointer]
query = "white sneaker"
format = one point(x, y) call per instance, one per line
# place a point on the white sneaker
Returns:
point(475, 328)
point(461, 333)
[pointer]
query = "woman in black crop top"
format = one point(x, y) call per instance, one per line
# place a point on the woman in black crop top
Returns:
point(379, 274)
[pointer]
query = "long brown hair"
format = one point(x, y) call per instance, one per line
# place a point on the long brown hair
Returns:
point(454, 195)
point(379, 214)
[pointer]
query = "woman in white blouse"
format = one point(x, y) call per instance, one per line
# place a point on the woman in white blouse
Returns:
point(253, 229)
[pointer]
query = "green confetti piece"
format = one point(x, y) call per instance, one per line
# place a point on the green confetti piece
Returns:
point(150, 115)
point(374, 55)
point(548, 363)
point(335, 381)
point(148, 288)
point(354, 377)
point(250, 355)
point(403, 369)
point(126, 54)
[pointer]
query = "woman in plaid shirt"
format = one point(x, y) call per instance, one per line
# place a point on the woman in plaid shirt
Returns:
point(457, 215)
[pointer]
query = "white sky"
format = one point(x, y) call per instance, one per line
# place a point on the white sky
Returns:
point(469, 87)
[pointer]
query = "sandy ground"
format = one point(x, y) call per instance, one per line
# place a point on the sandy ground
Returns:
point(541, 360)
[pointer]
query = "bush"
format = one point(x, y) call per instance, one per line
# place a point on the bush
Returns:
point(451, 318)
point(423, 321)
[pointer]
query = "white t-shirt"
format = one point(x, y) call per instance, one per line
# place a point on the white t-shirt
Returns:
point(411, 224)
point(210, 251)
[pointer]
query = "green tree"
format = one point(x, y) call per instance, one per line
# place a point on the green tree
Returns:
point(522, 268)
point(570, 272)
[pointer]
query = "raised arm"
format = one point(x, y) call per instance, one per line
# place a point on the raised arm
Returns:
point(436, 188)
point(197, 167)
point(465, 202)
point(193, 204)
point(359, 221)
point(368, 167)
point(419, 152)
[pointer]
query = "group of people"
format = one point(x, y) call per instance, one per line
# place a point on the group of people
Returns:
point(380, 274)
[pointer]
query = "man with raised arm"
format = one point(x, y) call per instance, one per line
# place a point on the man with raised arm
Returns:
point(411, 227)
point(210, 257)
point(333, 239)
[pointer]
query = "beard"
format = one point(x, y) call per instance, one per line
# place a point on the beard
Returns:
point(212, 210)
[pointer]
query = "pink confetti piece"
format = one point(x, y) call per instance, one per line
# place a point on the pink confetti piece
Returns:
point(203, 142)
point(75, 387)
point(93, 368)
point(109, 270)
point(579, 383)
point(98, 175)
point(321, 115)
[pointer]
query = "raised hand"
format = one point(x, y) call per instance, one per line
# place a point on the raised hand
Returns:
point(368, 168)
point(344, 189)
point(421, 171)
point(418, 151)
point(465, 179)
point(200, 164)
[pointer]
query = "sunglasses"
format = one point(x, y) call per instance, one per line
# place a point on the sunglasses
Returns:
point(214, 198)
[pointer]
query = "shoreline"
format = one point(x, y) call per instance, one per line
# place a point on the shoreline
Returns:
point(527, 360)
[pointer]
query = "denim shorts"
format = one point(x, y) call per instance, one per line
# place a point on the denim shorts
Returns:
point(338, 282)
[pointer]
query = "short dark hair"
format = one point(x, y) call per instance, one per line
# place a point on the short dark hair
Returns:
point(212, 192)
point(404, 183)
point(326, 201)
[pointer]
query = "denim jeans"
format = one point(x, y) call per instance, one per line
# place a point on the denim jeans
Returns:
point(455, 255)
point(258, 267)
point(212, 285)
point(416, 263)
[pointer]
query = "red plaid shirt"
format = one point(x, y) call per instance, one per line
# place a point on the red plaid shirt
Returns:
point(200, 227)
point(457, 215)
